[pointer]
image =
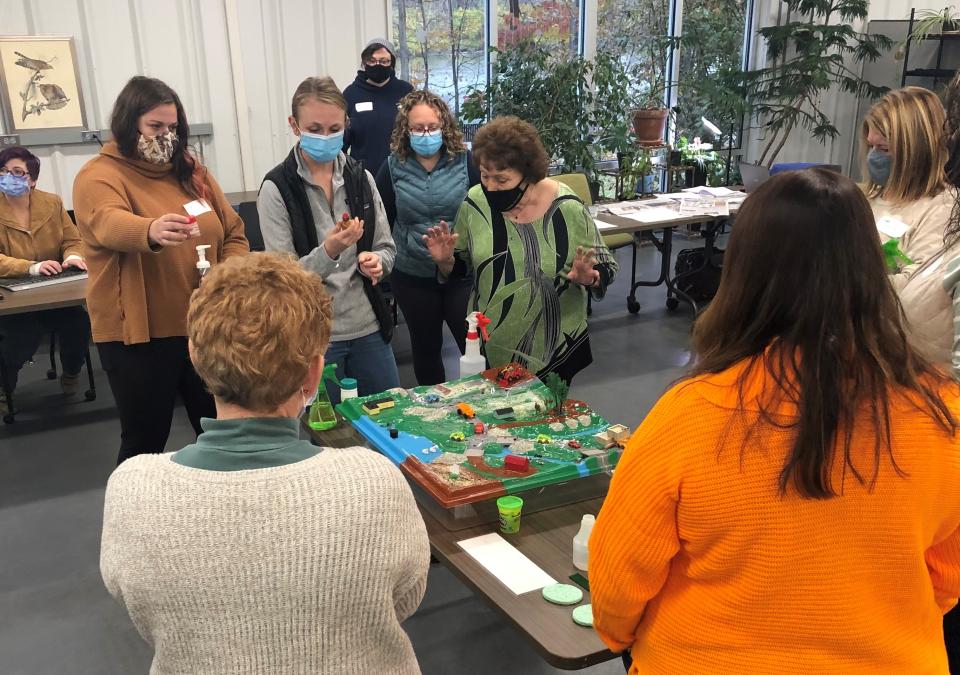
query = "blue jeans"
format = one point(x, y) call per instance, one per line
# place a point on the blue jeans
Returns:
point(368, 359)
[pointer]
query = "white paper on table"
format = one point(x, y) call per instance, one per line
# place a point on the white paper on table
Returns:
point(677, 196)
point(655, 214)
point(711, 191)
point(623, 208)
point(603, 225)
point(501, 559)
point(892, 227)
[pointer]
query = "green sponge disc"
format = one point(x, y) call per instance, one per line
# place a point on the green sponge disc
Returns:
point(562, 594)
point(583, 615)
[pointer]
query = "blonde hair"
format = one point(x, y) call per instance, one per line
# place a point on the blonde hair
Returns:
point(400, 139)
point(254, 325)
point(322, 89)
point(912, 120)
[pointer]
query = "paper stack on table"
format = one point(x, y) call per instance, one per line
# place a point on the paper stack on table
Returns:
point(712, 191)
point(506, 563)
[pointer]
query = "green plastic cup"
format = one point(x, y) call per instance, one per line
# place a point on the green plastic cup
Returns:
point(509, 508)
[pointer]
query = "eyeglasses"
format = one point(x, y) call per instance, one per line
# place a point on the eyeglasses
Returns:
point(16, 171)
point(378, 62)
point(423, 131)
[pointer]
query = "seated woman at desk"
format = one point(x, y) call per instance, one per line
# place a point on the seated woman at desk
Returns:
point(252, 550)
point(533, 251)
point(791, 505)
point(37, 237)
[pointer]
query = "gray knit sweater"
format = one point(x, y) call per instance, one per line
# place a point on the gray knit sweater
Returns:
point(304, 568)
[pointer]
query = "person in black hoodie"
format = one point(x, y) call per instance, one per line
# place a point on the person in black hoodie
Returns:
point(372, 104)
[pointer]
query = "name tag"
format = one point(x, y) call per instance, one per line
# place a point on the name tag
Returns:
point(365, 106)
point(892, 227)
point(197, 207)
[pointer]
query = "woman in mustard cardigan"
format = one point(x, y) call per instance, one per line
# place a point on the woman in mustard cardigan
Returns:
point(790, 507)
point(37, 237)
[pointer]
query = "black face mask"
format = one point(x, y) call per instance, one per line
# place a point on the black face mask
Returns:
point(378, 73)
point(504, 200)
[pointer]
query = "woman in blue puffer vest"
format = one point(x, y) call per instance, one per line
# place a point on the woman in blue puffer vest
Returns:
point(422, 183)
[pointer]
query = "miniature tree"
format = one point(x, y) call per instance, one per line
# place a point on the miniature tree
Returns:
point(558, 388)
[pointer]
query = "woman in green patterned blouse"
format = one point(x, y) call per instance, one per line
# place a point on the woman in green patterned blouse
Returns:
point(533, 250)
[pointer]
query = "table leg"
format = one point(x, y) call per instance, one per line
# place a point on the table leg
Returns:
point(665, 248)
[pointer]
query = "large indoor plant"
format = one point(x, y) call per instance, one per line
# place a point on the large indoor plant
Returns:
point(578, 106)
point(813, 51)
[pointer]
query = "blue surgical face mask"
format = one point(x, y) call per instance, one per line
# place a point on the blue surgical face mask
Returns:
point(15, 186)
point(322, 148)
point(428, 144)
point(879, 165)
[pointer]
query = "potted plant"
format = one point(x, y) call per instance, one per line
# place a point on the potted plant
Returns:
point(700, 157)
point(650, 116)
point(815, 50)
point(930, 22)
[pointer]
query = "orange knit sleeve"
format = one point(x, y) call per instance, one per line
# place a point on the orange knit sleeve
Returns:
point(943, 562)
point(635, 536)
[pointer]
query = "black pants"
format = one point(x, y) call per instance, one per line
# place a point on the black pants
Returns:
point(20, 335)
point(426, 305)
point(145, 380)
point(951, 636)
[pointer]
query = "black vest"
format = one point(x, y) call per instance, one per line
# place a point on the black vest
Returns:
point(360, 204)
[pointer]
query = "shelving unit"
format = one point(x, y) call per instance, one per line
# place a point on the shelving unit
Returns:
point(937, 73)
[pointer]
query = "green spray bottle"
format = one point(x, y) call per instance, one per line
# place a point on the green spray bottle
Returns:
point(322, 415)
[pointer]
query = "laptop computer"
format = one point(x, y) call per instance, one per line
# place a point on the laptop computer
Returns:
point(39, 280)
point(753, 176)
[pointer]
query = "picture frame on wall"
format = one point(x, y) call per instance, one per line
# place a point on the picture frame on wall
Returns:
point(40, 88)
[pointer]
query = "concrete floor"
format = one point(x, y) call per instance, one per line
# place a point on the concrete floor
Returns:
point(55, 615)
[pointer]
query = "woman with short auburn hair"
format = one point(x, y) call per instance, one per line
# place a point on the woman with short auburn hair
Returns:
point(251, 538)
point(532, 251)
point(790, 506)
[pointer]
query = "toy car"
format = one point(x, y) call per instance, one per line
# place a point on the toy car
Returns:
point(431, 398)
point(543, 438)
point(509, 375)
point(457, 436)
point(465, 411)
point(478, 428)
point(575, 444)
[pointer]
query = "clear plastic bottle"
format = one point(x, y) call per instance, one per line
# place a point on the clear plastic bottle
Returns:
point(348, 388)
point(322, 415)
point(472, 361)
point(580, 542)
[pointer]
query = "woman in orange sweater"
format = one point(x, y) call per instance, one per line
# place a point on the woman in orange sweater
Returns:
point(791, 506)
point(134, 204)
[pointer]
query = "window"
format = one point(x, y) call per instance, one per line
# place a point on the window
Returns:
point(553, 24)
point(637, 30)
point(441, 45)
point(711, 53)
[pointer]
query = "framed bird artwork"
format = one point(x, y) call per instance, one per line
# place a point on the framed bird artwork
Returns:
point(40, 84)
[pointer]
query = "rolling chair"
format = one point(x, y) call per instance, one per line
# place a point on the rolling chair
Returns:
point(578, 183)
point(89, 395)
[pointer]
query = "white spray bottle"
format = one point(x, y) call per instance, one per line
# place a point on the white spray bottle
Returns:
point(203, 265)
point(472, 361)
point(580, 542)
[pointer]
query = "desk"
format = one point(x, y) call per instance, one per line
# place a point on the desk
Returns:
point(67, 294)
point(645, 231)
point(546, 537)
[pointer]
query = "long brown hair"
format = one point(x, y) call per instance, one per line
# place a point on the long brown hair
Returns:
point(804, 294)
point(912, 121)
point(400, 138)
point(141, 95)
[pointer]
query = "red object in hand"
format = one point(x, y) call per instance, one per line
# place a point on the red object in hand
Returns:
point(516, 463)
point(191, 219)
point(345, 217)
